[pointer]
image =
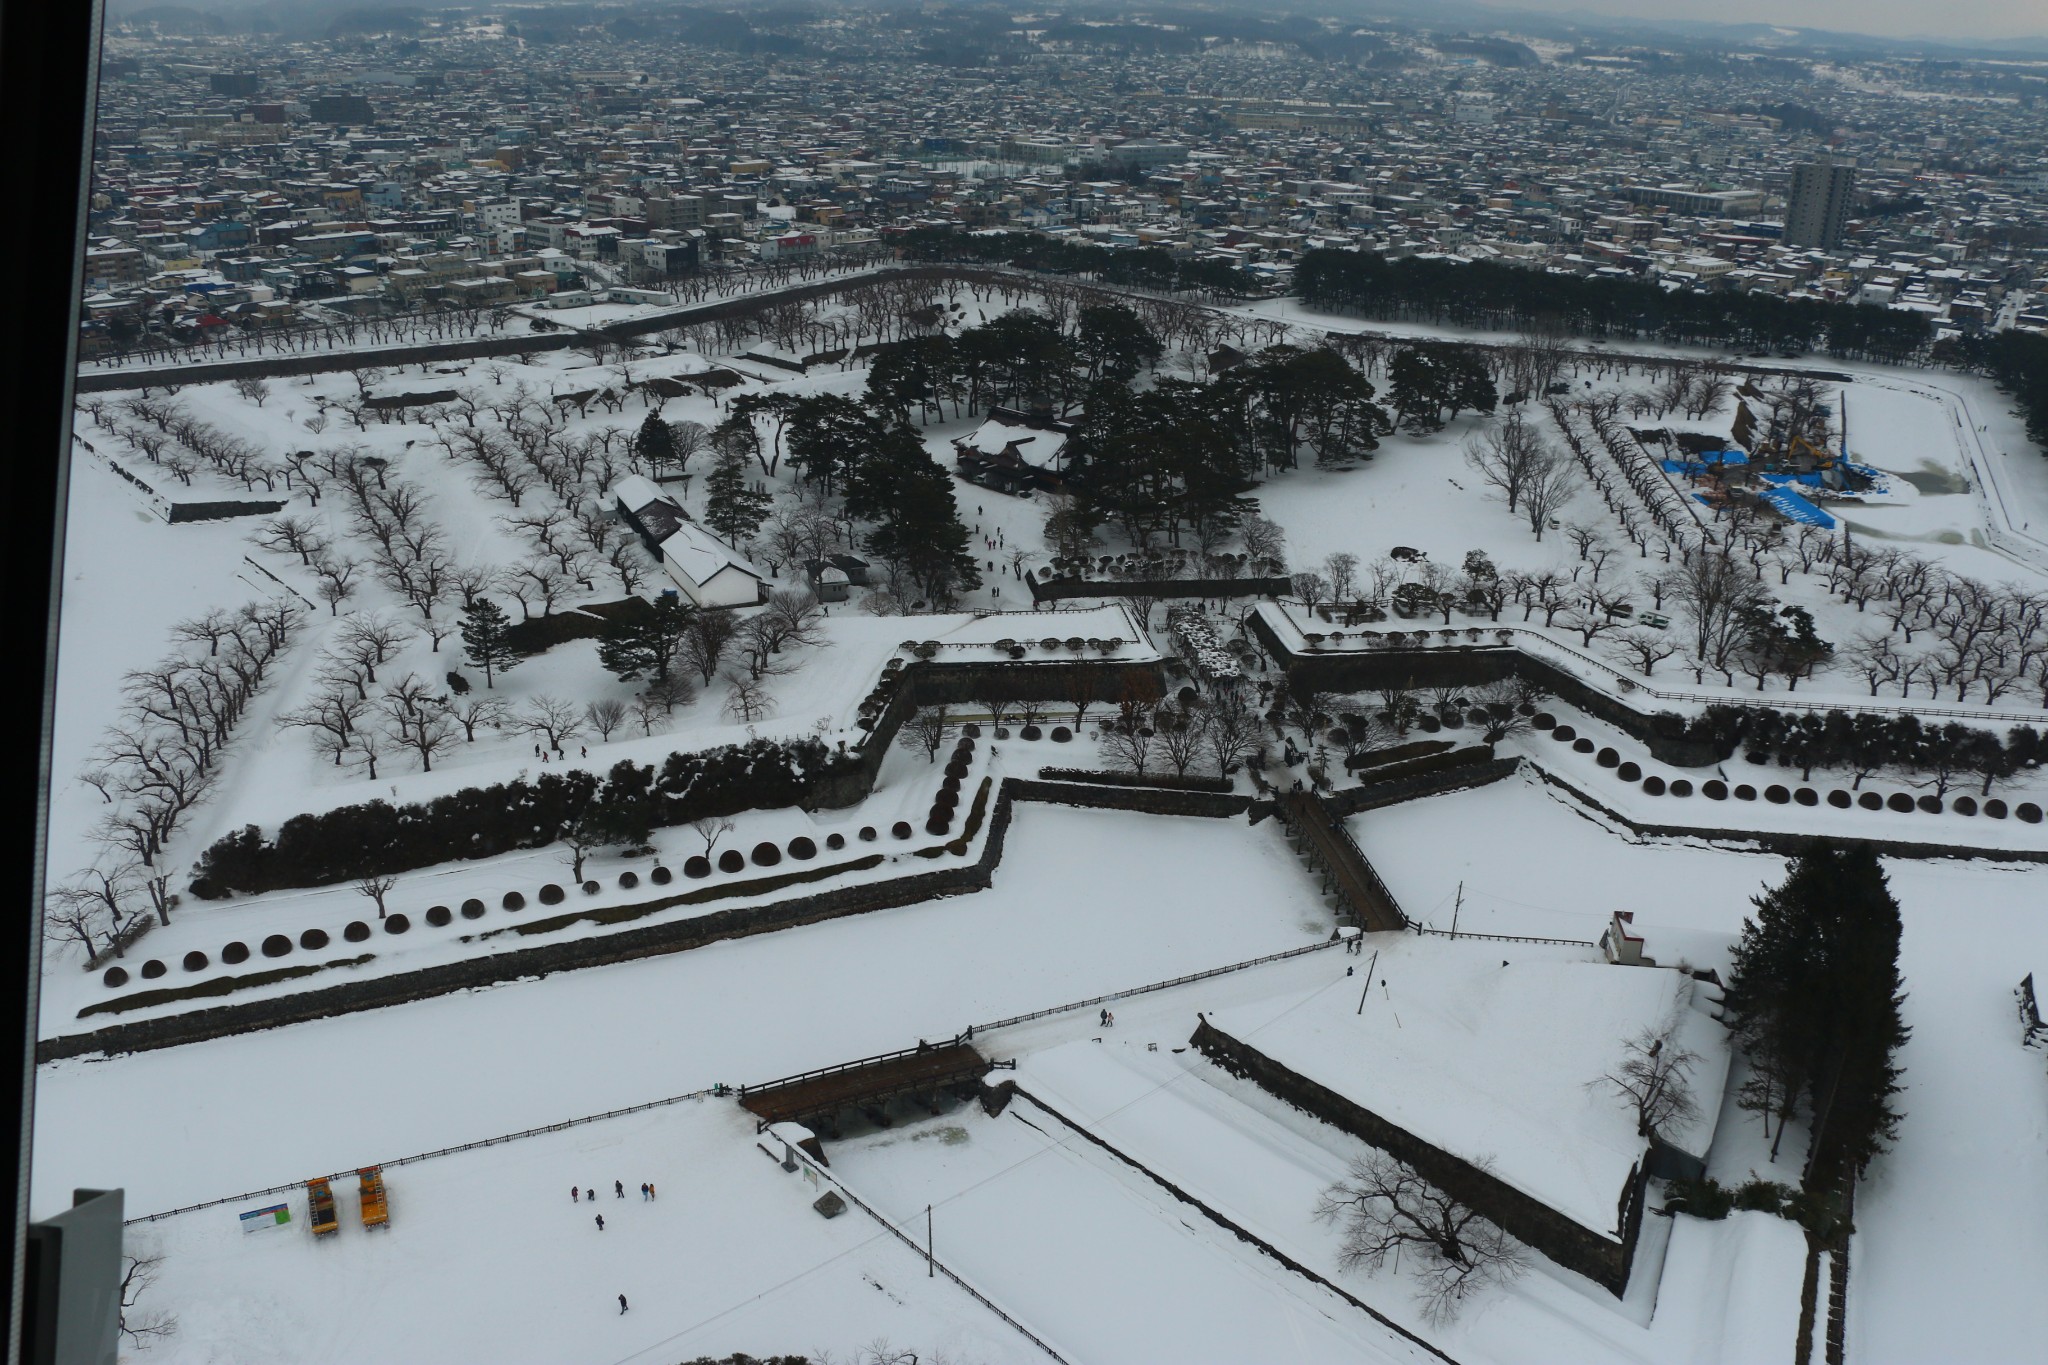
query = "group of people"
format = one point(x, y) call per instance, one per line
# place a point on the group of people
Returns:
point(578, 1194)
point(1106, 1018)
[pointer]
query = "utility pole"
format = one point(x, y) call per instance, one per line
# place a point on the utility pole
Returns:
point(929, 1273)
point(1456, 908)
point(1368, 980)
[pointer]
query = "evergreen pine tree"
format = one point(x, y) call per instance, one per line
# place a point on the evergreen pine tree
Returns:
point(484, 642)
point(1815, 998)
point(733, 508)
point(644, 642)
point(918, 527)
point(654, 444)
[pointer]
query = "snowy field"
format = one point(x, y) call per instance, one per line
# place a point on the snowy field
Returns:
point(485, 1258)
point(1084, 903)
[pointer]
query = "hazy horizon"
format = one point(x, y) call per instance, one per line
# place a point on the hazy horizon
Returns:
point(1978, 19)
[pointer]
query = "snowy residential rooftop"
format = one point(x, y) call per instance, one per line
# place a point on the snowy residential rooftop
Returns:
point(1485, 1049)
point(1040, 449)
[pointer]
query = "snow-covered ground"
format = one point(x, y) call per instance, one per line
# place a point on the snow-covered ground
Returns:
point(1951, 1215)
point(1700, 1288)
point(1949, 1240)
point(1084, 903)
point(485, 1258)
point(1433, 1045)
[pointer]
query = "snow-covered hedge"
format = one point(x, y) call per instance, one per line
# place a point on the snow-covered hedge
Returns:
point(1200, 643)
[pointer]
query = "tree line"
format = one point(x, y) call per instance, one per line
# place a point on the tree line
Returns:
point(376, 838)
point(160, 760)
point(1494, 297)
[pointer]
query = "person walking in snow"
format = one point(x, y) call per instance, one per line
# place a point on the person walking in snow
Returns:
point(643, 1191)
point(650, 1190)
point(622, 1303)
point(619, 1188)
point(591, 1194)
point(585, 750)
point(600, 1222)
point(575, 1194)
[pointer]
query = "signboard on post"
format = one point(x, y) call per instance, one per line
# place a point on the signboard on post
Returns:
point(262, 1220)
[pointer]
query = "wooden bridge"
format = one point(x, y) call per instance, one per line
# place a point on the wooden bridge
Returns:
point(1335, 857)
point(816, 1098)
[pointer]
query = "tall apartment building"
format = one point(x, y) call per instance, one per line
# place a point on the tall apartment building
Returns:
point(1818, 204)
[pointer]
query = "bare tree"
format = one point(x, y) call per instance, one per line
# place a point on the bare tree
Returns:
point(924, 732)
point(1180, 734)
point(747, 698)
point(416, 720)
point(1265, 543)
point(553, 720)
point(647, 710)
point(375, 888)
point(1126, 738)
point(605, 716)
point(1654, 1079)
point(1231, 725)
point(1546, 487)
point(1311, 588)
point(473, 711)
point(252, 389)
point(1506, 455)
point(1644, 647)
point(144, 1328)
point(711, 829)
point(337, 580)
point(366, 641)
point(1340, 569)
point(292, 535)
point(707, 638)
point(1385, 1205)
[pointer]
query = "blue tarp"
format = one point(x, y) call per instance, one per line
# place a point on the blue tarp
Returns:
point(1796, 508)
point(1700, 464)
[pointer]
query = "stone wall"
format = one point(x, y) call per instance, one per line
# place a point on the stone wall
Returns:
point(220, 1021)
point(1602, 1257)
point(1163, 781)
point(1373, 795)
point(219, 511)
point(1790, 844)
point(1060, 589)
point(1475, 665)
point(1150, 800)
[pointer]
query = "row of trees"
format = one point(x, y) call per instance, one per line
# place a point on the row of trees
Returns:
point(377, 838)
point(1495, 297)
point(1865, 744)
point(160, 760)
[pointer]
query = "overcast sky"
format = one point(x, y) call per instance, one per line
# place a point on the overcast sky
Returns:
point(1950, 19)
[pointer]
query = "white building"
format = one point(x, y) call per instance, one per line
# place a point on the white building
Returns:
point(709, 572)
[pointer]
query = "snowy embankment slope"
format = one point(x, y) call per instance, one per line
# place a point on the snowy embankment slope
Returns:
point(1105, 1261)
point(1263, 1164)
point(1438, 1048)
point(1950, 1218)
point(1085, 902)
